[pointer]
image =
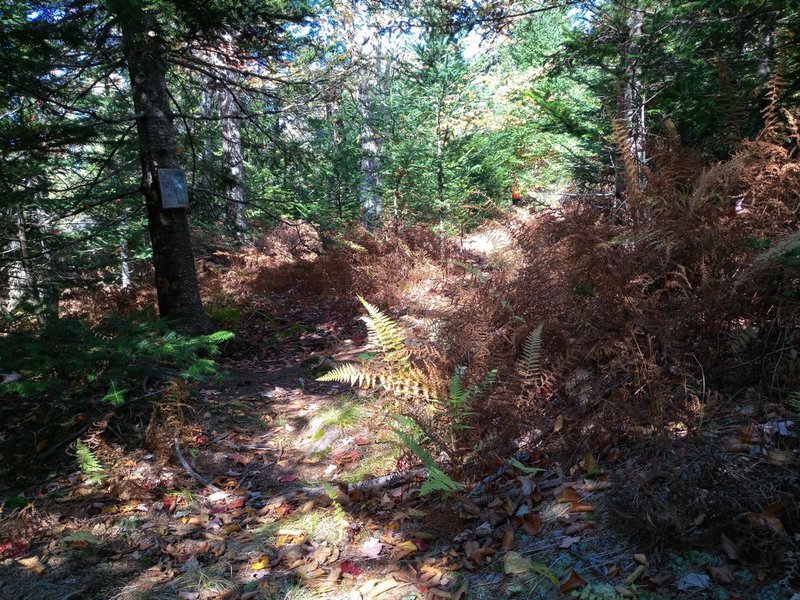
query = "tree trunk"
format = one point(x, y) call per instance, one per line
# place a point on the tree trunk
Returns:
point(22, 284)
point(370, 187)
point(630, 166)
point(176, 278)
point(233, 162)
point(125, 263)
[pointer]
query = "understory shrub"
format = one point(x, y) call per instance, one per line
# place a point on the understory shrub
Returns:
point(103, 361)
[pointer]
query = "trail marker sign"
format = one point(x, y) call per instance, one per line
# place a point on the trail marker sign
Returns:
point(172, 184)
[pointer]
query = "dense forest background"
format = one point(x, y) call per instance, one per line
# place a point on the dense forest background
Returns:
point(572, 227)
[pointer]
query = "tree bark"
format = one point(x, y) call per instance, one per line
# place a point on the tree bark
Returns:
point(22, 285)
point(175, 275)
point(632, 160)
point(370, 187)
point(233, 162)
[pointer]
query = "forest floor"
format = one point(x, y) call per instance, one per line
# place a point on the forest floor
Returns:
point(269, 484)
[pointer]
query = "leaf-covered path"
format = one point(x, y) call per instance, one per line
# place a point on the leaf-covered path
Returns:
point(278, 497)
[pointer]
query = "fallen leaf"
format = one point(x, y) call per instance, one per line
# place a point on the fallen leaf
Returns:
point(531, 523)
point(721, 574)
point(780, 458)
point(382, 587)
point(371, 548)
point(577, 507)
point(508, 539)
point(641, 559)
point(514, 563)
point(638, 572)
point(471, 549)
point(32, 564)
point(559, 424)
point(577, 527)
point(589, 463)
point(260, 564)
point(12, 548)
point(772, 510)
point(350, 568)
point(694, 581)
point(567, 495)
point(660, 581)
point(287, 478)
point(572, 582)
point(568, 541)
point(767, 522)
point(404, 549)
point(596, 486)
point(730, 549)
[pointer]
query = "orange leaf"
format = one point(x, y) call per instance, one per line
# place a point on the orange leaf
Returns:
point(767, 522)
point(531, 523)
point(572, 582)
point(567, 495)
point(508, 539)
point(581, 507)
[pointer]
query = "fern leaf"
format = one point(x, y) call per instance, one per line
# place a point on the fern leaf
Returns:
point(436, 480)
point(350, 374)
point(91, 468)
point(530, 363)
point(794, 400)
point(383, 330)
point(525, 469)
point(456, 393)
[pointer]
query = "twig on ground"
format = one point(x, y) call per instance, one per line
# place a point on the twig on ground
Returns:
point(370, 485)
point(191, 471)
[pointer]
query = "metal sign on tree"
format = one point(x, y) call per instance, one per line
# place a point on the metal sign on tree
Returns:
point(172, 185)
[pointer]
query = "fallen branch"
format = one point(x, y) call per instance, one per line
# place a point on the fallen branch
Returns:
point(191, 471)
point(369, 485)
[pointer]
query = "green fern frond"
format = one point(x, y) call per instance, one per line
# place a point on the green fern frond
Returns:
point(383, 331)
point(91, 468)
point(794, 400)
point(530, 364)
point(786, 250)
point(436, 479)
point(455, 393)
point(525, 469)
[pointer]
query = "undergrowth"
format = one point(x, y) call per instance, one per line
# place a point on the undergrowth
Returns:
point(106, 360)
